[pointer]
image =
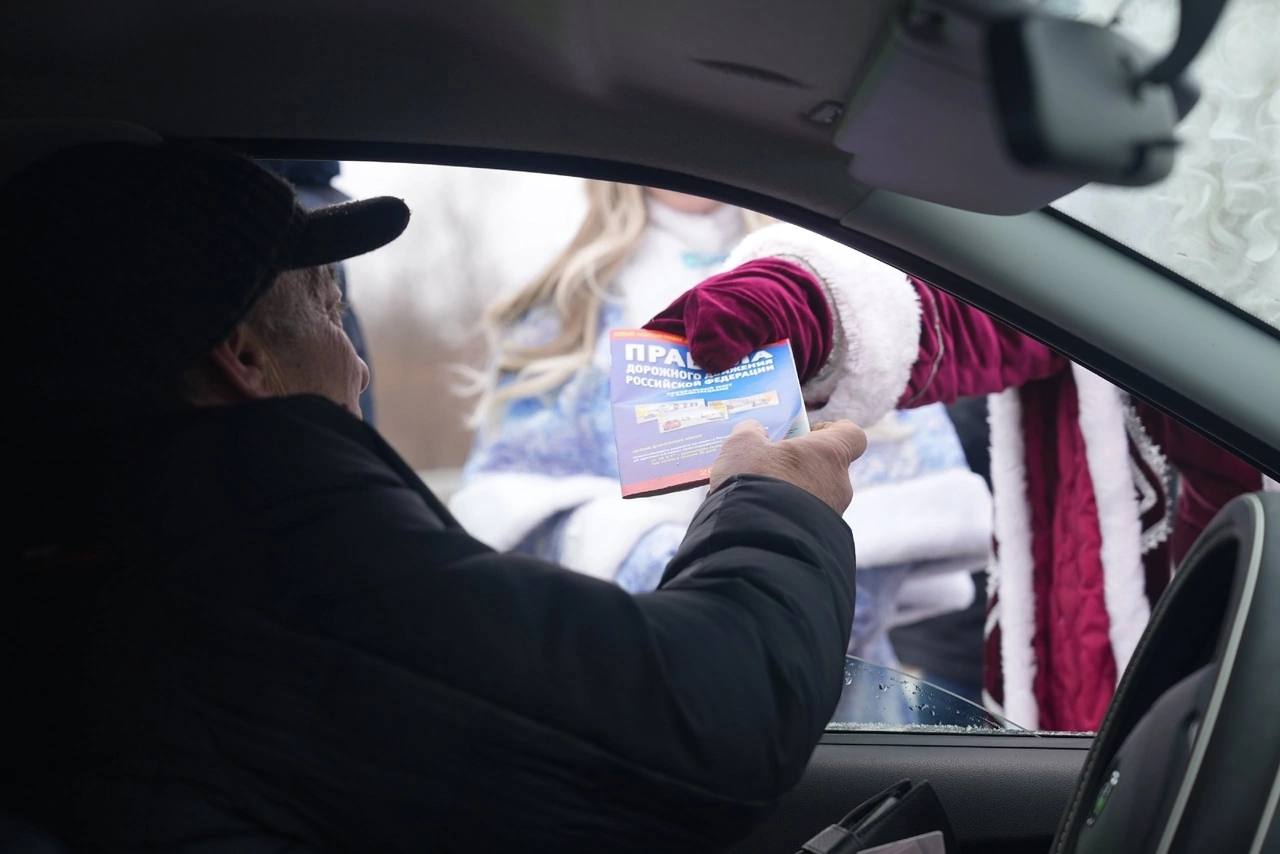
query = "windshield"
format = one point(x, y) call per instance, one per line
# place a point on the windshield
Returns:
point(1216, 218)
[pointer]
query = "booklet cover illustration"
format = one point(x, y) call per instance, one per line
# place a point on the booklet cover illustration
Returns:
point(670, 417)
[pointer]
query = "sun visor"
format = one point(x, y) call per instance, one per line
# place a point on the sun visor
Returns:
point(989, 106)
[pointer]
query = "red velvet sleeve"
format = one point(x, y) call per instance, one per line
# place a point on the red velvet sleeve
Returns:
point(965, 352)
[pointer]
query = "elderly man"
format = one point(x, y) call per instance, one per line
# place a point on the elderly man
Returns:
point(240, 622)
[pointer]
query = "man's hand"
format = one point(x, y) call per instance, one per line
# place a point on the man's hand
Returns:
point(817, 463)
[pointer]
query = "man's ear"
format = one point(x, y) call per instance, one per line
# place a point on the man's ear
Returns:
point(243, 365)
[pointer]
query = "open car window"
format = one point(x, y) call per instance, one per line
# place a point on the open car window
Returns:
point(1216, 219)
point(974, 611)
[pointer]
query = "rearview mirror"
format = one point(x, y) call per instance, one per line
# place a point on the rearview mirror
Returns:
point(1071, 100)
point(996, 107)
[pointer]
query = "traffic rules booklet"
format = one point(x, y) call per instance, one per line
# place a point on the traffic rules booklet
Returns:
point(670, 417)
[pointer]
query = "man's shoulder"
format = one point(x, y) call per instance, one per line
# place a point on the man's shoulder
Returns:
point(300, 429)
point(241, 486)
point(252, 456)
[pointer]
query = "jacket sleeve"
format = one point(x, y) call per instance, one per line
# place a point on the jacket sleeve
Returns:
point(897, 342)
point(712, 690)
point(722, 679)
point(875, 322)
point(963, 352)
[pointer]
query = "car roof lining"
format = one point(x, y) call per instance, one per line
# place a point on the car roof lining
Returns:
point(557, 75)
point(719, 87)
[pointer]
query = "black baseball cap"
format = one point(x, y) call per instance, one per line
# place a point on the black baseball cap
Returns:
point(129, 260)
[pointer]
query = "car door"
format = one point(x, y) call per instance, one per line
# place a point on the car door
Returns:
point(1005, 787)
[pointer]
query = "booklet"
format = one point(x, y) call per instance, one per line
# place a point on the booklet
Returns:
point(670, 417)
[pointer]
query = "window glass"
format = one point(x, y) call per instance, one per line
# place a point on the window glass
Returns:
point(1216, 218)
point(876, 697)
point(1009, 546)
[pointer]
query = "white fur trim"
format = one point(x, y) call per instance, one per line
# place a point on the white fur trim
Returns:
point(887, 524)
point(501, 509)
point(1106, 446)
point(601, 533)
point(1014, 569)
point(989, 703)
point(877, 318)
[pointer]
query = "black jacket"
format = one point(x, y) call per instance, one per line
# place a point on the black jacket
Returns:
point(286, 643)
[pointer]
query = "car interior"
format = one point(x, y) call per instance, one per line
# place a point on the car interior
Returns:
point(931, 134)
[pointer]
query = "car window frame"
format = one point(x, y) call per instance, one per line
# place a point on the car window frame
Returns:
point(971, 292)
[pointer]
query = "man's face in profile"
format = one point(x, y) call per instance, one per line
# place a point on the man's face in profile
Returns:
point(318, 357)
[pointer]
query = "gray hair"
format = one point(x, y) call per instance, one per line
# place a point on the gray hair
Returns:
point(293, 304)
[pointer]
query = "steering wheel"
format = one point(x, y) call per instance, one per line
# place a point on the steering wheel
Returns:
point(1187, 757)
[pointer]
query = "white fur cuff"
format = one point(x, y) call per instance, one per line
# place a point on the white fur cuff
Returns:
point(877, 320)
point(502, 508)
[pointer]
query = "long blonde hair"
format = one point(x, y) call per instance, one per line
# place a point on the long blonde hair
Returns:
point(574, 285)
